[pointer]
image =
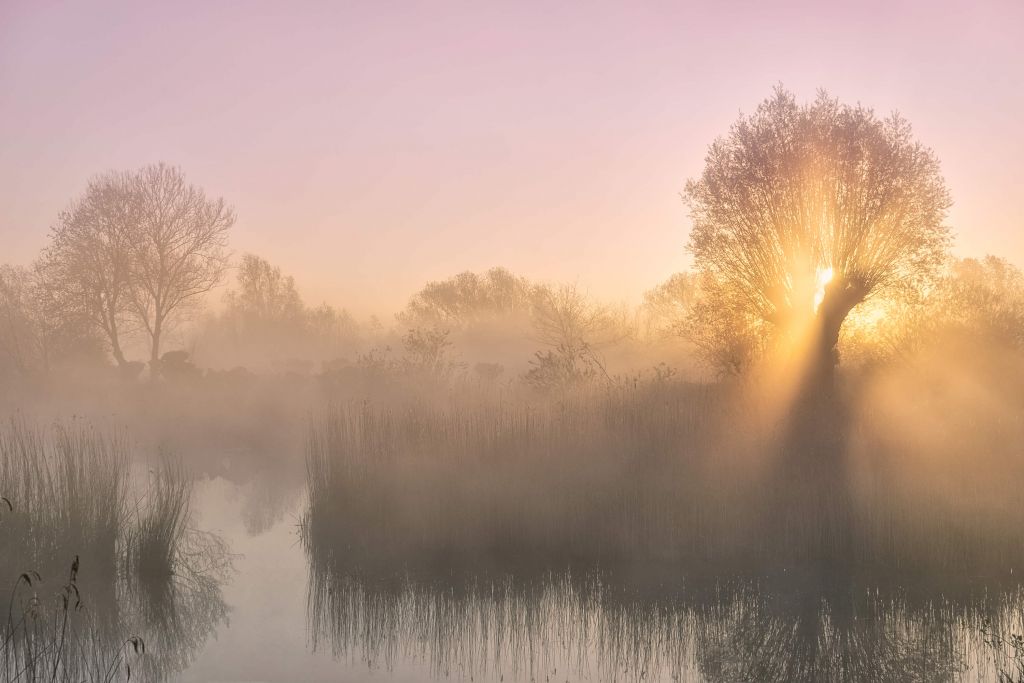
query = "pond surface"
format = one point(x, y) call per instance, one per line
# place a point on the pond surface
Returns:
point(289, 622)
point(266, 636)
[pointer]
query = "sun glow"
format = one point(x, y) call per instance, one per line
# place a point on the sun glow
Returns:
point(821, 279)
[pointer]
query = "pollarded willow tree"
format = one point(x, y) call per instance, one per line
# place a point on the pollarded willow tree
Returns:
point(805, 211)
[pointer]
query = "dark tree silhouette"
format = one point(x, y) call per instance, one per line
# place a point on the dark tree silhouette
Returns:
point(804, 211)
point(178, 250)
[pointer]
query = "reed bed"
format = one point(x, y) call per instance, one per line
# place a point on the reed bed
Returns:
point(69, 496)
point(664, 531)
point(607, 481)
point(681, 475)
point(509, 481)
point(128, 557)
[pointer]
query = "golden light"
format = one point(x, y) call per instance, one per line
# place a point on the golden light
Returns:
point(822, 277)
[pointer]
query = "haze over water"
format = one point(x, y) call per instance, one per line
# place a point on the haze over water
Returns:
point(511, 342)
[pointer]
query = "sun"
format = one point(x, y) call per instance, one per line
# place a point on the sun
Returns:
point(821, 279)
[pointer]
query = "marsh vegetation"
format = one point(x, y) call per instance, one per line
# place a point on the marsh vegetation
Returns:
point(96, 565)
point(799, 461)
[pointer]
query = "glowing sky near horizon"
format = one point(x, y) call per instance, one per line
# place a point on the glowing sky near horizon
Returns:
point(369, 147)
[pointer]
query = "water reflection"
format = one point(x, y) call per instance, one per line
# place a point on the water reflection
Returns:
point(104, 578)
point(580, 623)
point(179, 615)
point(113, 625)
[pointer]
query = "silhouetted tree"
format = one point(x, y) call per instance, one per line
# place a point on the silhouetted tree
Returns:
point(35, 330)
point(89, 259)
point(264, 293)
point(725, 335)
point(795, 194)
point(976, 300)
point(20, 338)
point(565, 316)
point(265, 319)
point(468, 297)
point(667, 306)
point(985, 297)
point(574, 329)
point(178, 251)
point(428, 353)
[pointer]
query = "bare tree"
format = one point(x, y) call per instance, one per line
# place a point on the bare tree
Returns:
point(179, 252)
point(667, 306)
point(985, 298)
point(264, 292)
point(804, 211)
point(266, 320)
point(428, 354)
point(726, 337)
point(563, 316)
point(19, 338)
point(980, 300)
point(88, 261)
point(573, 329)
point(467, 298)
point(35, 329)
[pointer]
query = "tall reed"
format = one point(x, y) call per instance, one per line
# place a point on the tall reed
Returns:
point(663, 474)
point(134, 557)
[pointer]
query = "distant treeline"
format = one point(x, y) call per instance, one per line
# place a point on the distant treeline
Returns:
point(131, 263)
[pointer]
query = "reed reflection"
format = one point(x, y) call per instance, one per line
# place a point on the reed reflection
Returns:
point(628, 624)
point(105, 580)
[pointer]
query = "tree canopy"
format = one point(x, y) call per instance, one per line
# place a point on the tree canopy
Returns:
point(469, 297)
point(803, 212)
point(135, 250)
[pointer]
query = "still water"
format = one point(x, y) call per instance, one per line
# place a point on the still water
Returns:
point(297, 614)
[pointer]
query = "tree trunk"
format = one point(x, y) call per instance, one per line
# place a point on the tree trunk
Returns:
point(815, 446)
point(823, 357)
point(840, 298)
point(817, 430)
point(154, 357)
point(115, 350)
point(110, 322)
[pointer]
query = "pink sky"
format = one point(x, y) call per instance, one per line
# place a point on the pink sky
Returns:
point(369, 147)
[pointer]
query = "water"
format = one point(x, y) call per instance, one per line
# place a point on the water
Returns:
point(253, 595)
point(332, 622)
point(266, 637)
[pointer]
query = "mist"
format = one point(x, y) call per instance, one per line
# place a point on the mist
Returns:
point(510, 344)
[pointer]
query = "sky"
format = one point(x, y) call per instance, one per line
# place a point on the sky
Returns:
point(369, 147)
